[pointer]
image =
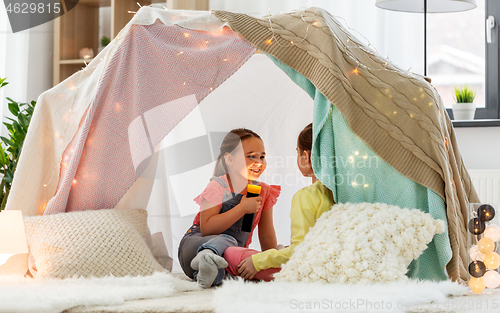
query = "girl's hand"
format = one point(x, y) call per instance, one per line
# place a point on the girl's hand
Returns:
point(246, 269)
point(250, 205)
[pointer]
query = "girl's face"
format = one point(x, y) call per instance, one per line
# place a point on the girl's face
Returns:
point(248, 159)
point(303, 162)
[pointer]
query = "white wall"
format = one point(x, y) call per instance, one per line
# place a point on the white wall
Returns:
point(480, 147)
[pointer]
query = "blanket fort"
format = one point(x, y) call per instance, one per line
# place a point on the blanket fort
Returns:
point(94, 135)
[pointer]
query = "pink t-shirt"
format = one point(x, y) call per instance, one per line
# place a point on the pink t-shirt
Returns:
point(214, 191)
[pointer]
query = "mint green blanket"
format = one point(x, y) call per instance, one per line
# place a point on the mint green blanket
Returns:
point(354, 173)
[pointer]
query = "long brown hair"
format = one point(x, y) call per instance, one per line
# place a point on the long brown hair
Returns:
point(229, 143)
point(305, 140)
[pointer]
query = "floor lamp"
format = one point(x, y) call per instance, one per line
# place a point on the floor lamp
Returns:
point(426, 6)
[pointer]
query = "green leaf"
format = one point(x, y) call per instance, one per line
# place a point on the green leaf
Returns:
point(14, 108)
point(23, 120)
point(16, 125)
point(9, 127)
point(7, 141)
point(464, 94)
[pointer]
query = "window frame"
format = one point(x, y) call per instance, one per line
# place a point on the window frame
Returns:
point(491, 110)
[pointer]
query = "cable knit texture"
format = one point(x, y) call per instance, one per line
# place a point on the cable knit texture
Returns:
point(418, 141)
point(90, 244)
point(361, 243)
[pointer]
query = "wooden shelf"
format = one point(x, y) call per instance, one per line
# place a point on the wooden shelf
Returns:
point(96, 3)
point(75, 61)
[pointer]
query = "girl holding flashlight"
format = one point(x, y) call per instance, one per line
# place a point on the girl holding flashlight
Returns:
point(223, 205)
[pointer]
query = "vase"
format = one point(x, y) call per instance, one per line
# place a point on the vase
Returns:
point(463, 111)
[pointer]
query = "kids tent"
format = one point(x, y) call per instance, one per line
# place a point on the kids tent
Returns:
point(152, 108)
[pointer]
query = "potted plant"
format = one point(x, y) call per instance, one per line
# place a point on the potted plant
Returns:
point(464, 108)
point(10, 148)
point(104, 42)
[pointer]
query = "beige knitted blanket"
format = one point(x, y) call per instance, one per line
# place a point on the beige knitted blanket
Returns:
point(368, 89)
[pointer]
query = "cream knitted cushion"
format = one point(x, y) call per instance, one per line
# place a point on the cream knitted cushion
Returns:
point(90, 243)
point(361, 243)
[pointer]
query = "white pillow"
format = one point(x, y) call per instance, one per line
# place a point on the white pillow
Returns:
point(90, 243)
point(361, 243)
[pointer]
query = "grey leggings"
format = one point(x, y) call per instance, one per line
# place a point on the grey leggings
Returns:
point(193, 242)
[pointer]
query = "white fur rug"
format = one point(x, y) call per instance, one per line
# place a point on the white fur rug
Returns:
point(20, 295)
point(238, 296)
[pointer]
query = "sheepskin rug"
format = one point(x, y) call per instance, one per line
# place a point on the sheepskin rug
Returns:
point(361, 243)
point(28, 295)
point(400, 296)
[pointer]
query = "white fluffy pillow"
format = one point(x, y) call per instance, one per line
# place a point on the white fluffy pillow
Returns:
point(90, 243)
point(361, 243)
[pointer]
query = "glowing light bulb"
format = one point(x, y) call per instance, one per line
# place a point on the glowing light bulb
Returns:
point(476, 284)
point(356, 71)
point(354, 184)
point(186, 35)
point(491, 279)
point(268, 42)
point(492, 260)
point(74, 181)
point(492, 232)
point(475, 255)
point(291, 42)
point(477, 269)
point(486, 246)
point(476, 226)
point(366, 185)
point(356, 153)
point(486, 212)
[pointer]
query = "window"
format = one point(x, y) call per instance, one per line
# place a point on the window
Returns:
point(459, 55)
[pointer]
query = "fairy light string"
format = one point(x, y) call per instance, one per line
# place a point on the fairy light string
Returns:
point(347, 46)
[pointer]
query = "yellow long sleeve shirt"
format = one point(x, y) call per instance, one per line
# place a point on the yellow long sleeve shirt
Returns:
point(307, 206)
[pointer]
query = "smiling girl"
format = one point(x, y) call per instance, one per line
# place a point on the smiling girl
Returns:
point(223, 204)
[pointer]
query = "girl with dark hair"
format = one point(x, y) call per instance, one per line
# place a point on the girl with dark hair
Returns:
point(223, 203)
point(307, 206)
